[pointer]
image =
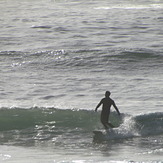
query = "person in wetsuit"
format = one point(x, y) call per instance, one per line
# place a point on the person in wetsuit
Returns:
point(106, 103)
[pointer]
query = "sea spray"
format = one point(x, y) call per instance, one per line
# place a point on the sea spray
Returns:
point(134, 126)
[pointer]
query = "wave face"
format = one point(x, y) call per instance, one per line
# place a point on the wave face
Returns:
point(17, 119)
point(150, 124)
point(49, 123)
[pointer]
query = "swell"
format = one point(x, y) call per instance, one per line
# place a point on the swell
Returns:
point(79, 58)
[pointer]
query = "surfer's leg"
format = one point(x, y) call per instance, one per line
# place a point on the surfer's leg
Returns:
point(105, 124)
point(110, 125)
point(104, 120)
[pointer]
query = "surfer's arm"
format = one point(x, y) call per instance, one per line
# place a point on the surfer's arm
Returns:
point(116, 108)
point(98, 105)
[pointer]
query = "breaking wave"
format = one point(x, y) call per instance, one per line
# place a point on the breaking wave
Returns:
point(127, 125)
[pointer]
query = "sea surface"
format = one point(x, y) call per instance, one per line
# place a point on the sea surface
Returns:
point(57, 59)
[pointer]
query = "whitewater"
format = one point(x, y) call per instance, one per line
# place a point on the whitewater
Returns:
point(57, 59)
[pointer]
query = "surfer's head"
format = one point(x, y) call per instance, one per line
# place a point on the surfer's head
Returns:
point(107, 94)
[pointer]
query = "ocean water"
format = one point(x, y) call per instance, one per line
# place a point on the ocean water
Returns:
point(57, 59)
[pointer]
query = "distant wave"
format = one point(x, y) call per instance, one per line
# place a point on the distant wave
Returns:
point(129, 7)
point(41, 26)
point(81, 58)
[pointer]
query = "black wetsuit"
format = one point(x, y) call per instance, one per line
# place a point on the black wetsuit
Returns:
point(107, 102)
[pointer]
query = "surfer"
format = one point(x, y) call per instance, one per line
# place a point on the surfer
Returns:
point(106, 103)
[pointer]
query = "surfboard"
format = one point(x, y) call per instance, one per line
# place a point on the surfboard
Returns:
point(99, 135)
point(103, 132)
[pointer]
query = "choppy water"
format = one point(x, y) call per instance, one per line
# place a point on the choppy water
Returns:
point(57, 59)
